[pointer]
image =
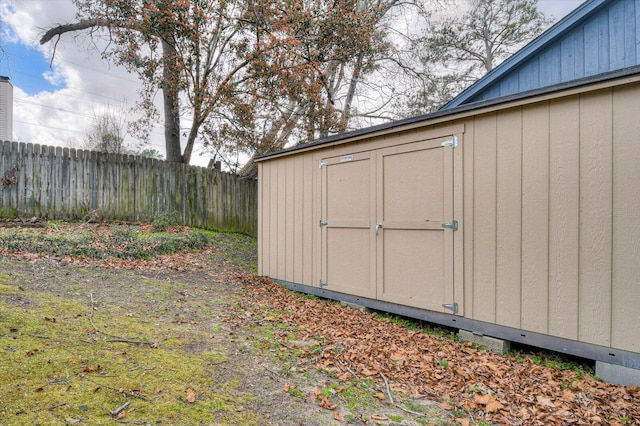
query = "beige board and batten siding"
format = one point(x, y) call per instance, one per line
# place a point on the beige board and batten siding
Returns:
point(549, 204)
point(554, 220)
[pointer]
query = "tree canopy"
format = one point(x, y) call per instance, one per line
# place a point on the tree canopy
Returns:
point(246, 75)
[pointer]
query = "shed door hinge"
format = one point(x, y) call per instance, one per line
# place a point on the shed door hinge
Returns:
point(451, 306)
point(321, 164)
point(323, 223)
point(453, 225)
point(453, 142)
point(323, 283)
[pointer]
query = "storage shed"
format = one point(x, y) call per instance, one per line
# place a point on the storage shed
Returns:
point(513, 212)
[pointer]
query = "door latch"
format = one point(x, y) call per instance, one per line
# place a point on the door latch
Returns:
point(378, 226)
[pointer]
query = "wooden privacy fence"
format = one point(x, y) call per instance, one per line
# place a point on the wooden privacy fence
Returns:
point(65, 183)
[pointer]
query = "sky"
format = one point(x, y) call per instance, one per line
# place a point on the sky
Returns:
point(56, 100)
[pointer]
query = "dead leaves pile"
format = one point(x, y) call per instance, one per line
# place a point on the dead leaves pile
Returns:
point(485, 386)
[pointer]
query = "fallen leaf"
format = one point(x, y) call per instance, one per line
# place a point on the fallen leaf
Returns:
point(482, 399)
point(336, 416)
point(154, 345)
point(545, 402)
point(463, 422)
point(191, 395)
point(445, 406)
point(380, 396)
point(493, 406)
point(121, 414)
point(379, 417)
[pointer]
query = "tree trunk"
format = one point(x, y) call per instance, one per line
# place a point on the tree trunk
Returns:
point(170, 84)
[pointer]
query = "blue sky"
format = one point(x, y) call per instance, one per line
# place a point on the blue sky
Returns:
point(80, 84)
point(26, 66)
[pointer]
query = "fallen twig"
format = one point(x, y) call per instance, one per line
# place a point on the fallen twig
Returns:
point(278, 342)
point(143, 368)
point(53, 407)
point(125, 393)
point(415, 413)
point(386, 383)
point(345, 366)
point(39, 336)
point(271, 371)
point(119, 409)
point(133, 342)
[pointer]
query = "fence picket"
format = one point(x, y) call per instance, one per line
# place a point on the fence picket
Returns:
point(57, 183)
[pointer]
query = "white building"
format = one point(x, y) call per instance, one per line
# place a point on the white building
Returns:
point(6, 109)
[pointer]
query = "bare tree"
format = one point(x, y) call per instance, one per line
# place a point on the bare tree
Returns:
point(459, 49)
point(106, 134)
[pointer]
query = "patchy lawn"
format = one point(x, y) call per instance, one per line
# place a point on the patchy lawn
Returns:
point(105, 323)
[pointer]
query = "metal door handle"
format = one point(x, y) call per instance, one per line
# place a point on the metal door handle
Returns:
point(378, 226)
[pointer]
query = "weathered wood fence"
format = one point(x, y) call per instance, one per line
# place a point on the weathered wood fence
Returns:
point(65, 183)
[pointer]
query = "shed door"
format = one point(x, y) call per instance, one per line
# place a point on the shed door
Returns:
point(415, 198)
point(348, 212)
point(381, 229)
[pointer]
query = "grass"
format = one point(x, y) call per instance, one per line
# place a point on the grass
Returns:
point(57, 369)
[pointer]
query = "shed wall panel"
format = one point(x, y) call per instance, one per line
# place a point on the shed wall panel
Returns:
point(594, 320)
point(281, 218)
point(468, 217)
point(484, 180)
point(508, 216)
point(308, 210)
point(535, 218)
point(290, 220)
point(626, 226)
point(564, 218)
point(298, 179)
point(274, 235)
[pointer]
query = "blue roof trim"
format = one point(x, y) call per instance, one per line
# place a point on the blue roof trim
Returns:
point(547, 38)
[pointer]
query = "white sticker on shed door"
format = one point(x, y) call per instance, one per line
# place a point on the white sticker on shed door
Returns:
point(415, 197)
point(348, 208)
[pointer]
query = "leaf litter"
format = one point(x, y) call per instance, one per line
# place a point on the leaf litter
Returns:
point(500, 389)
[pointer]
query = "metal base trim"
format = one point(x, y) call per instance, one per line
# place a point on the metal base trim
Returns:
point(545, 341)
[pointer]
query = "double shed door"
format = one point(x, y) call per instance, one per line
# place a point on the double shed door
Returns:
point(382, 216)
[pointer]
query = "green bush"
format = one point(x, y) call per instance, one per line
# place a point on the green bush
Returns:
point(164, 220)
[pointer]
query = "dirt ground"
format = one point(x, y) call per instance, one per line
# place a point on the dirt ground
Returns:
point(204, 301)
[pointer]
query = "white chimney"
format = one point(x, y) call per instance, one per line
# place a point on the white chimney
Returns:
point(6, 109)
